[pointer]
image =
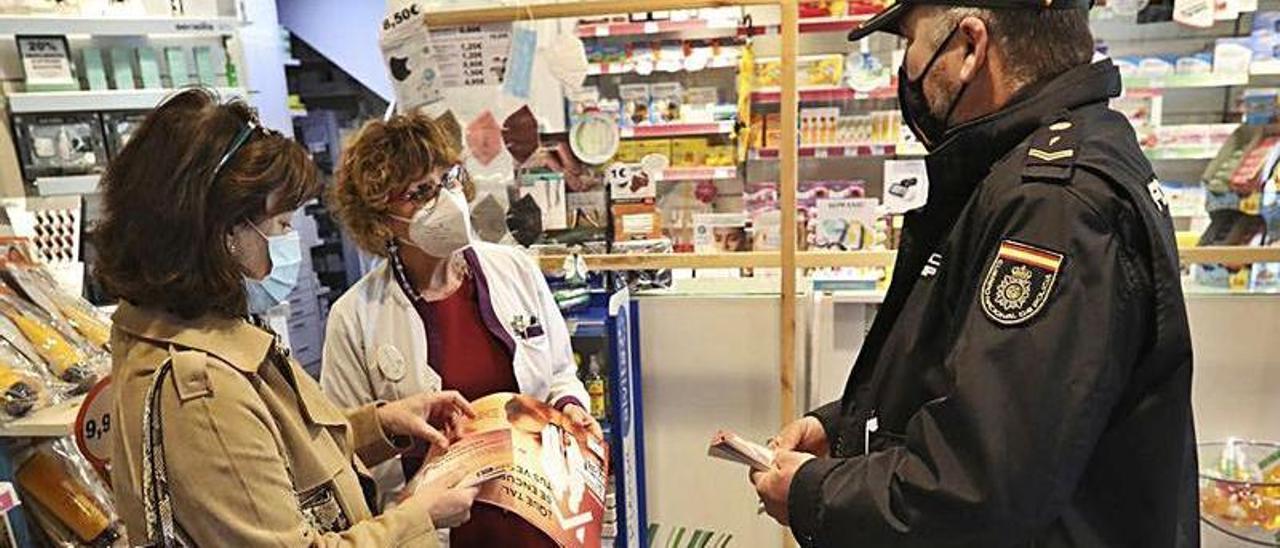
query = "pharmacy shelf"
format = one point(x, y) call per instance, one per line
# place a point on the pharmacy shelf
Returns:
point(825, 94)
point(1175, 81)
point(835, 259)
point(652, 27)
point(1265, 68)
point(602, 69)
point(51, 422)
point(118, 26)
point(676, 130)
point(99, 100)
point(69, 185)
point(829, 151)
point(698, 173)
point(809, 25)
point(1183, 152)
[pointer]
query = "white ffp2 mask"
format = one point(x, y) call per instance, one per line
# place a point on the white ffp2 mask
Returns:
point(441, 228)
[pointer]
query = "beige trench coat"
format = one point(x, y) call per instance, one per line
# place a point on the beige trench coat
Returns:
point(256, 455)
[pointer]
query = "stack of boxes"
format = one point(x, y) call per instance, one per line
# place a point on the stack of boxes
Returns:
point(305, 321)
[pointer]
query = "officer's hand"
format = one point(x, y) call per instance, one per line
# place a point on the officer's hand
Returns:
point(422, 415)
point(805, 435)
point(448, 507)
point(774, 486)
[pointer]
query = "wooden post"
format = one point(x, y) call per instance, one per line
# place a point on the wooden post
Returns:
point(787, 179)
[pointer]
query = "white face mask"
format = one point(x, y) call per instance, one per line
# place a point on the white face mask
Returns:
point(442, 227)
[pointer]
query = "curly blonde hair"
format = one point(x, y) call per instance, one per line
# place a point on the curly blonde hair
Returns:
point(378, 165)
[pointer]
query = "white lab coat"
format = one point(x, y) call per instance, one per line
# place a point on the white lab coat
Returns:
point(376, 343)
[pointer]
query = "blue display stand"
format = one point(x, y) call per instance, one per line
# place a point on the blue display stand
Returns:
point(608, 324)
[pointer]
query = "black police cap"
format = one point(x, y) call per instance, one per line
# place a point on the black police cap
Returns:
point(888, 19)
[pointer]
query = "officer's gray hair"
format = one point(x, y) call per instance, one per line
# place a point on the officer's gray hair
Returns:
point(1036, 45)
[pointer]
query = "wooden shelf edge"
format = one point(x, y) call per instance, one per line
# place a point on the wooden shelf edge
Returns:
point(505, 14)
point(833, 259)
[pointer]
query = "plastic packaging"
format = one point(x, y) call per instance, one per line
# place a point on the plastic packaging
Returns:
point(69, 501)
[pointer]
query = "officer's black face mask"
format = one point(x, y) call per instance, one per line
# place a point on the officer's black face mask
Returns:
point(927, 127)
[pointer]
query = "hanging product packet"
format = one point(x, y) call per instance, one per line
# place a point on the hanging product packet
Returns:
point(409, 56)
point(518, 77)
point(37, 285)
point(69, 501)
point(67, 357)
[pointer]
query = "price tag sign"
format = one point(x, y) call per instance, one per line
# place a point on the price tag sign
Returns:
point(46, 62)
point(94, 423)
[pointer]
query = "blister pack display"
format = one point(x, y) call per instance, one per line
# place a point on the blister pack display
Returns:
point(53, 145)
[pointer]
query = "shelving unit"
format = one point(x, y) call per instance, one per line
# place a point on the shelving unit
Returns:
point(831, 94)
point(70, 185)
point(698, 173)
point(830, 151)
point(676, 130)
point(119, 26)
point(1176, 81)
point(51, 422)
point(602, 69)
point(97, 100)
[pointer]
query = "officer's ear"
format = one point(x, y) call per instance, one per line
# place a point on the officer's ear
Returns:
point(974, 39)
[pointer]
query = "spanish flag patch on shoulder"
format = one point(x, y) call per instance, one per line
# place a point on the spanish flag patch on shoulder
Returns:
point(1019, 282)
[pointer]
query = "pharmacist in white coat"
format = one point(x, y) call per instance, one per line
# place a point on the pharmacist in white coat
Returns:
point(443, 311)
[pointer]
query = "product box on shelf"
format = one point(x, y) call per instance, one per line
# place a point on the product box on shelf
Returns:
point(52, 145)
point(119, 128)
point(689, 152)
point(631, 151)
point(720, 233)
point(636, 221)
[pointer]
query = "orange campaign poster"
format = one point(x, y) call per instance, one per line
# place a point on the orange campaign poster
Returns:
point(531, 460)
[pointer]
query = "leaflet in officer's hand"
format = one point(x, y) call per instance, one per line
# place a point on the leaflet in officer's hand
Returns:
point(732, 447)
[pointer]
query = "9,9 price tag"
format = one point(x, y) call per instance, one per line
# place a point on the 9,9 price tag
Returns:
point(94, 423)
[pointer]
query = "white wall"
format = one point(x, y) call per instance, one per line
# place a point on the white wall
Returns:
point(712, 362)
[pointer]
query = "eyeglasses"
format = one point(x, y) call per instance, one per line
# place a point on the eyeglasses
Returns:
point(427, 191)
point(251, 126)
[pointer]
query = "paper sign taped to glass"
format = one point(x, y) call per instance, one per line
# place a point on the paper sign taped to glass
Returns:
point(529, 459)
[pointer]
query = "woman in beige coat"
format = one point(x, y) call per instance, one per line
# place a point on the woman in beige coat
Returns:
point(220, 438)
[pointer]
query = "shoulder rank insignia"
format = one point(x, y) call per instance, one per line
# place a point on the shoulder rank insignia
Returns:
point(1052, 153)
point(1019, 282)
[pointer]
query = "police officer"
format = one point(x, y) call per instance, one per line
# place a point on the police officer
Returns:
point(1027, 380)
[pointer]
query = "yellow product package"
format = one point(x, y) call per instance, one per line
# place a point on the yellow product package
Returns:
point(689, 152)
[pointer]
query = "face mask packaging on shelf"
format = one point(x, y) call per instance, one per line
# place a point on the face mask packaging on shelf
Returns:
point(667, 98)
point(678, 204)
point(635, 104)
point(548, 192)
point(699, 105)
point(635, 221)
point(644, 279)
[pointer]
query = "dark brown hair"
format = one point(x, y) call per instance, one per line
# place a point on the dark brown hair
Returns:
point(1036, 44)
point(163, 238)
point(378, 165)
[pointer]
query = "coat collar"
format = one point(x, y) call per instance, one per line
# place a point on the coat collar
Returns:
point(233, 340)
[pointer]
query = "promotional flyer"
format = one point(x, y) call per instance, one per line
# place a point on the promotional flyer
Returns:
point(530, 459)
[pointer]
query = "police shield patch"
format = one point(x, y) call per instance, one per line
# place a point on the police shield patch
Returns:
point(1019, 282)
